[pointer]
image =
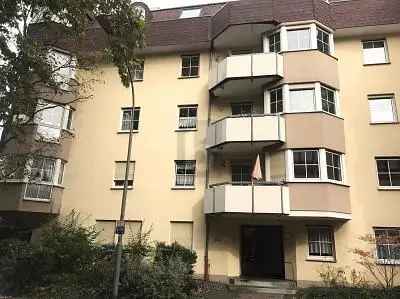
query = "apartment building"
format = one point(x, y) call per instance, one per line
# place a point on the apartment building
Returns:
point(310, 86)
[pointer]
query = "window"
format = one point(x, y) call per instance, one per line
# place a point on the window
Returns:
point(49, 119)
point(41, 178)
point(60, 179)
point(106, 229)
point(382, 109)
point(242, 108)
point(132, 229)
point(276, 101)
point(299, 39)
point(127, 120)
point(306, 164)
point(375, 52)
point(328, 100)
point(302, 100)
point(190, 65)
point(275, 42)
point(241, 172)
point(64, 68)
point(119, 175)
point(334, 166)
point(185, 172)
point(187, 117)
point(138, 71)
point(388, 244)
point(182, 233)
point(388, 171)
point(320, 242)
point(323, 41)
point(190, 13)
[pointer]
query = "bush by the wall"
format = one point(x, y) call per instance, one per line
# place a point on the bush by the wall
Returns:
point(349, 293)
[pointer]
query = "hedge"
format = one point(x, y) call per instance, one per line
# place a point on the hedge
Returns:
point(348, 293)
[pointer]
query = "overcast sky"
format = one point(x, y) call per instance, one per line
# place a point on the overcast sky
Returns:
point(153, 4)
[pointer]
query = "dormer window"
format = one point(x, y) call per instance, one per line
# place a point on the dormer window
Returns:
point(190, 13)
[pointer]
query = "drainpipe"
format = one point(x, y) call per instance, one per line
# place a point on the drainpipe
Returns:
point(206, 263)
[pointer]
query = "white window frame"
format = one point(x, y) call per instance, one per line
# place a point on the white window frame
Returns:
point(189, 119)
point(130, 187)
point(385, 49)
point(319, 165)
point(184, 186)
point(323, 173)
point(386, 261)
point(311, 26)
point(306, 28)
point(323, 42)
point(121, 119)
point(51, 184)
point(286, 88)
point(390, 177)
point(390, 97)
point(331, 232)
point(181, 75)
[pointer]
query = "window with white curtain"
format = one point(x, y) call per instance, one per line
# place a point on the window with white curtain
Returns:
point(320, 242)
point(382, 109)
point(41, 178)
point(119, 174)
point(388, 244)
point(50, 120)
point(302, 100)
point(299, 39)
point(185, 171)
point(375, 52)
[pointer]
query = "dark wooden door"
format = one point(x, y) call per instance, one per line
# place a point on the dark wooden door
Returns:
point(262, 252)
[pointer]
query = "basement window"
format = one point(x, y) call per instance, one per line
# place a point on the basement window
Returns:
point(190, 13)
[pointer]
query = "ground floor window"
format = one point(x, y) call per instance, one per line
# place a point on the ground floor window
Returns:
point(182, 233)
point(320, 242)
point(388, 244)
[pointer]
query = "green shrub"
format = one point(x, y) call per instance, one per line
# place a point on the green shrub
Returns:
point(349, 293)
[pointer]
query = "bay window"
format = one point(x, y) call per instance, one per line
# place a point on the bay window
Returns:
point(299, 39)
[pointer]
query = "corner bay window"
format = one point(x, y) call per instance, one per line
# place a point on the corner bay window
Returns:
point(41, 178)
point(320, 242)
point(328, 100)
point(119, 175)
point(334, 166)
point(306, 164)
point(128, 121)
point(299, 39)
point(275, 42)
point(317, 165)
point(388, 171)
point(190, 66)
point(388, 244)
point(185, 171)
point(323, 41)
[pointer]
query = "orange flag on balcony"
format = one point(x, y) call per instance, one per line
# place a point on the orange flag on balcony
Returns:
point(257, 174)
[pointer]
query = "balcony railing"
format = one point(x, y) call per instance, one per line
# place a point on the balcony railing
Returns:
point(261, 198)
point(246, 66)
point(254, 128)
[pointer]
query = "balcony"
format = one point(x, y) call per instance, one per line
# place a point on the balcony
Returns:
point(245, 74)
point(236, 133)
point(258, 199)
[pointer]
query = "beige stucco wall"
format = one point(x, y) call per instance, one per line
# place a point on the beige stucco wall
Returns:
point(97, 145)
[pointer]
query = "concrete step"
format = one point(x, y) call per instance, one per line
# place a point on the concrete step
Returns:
point(270, 284)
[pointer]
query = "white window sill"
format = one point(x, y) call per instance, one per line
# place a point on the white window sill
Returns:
point(121, 188)
point(388, 188)
point(37, 200)
point(127, 132)
point(329, 259)
point(388, 262)
point(183, 188)
point(186, 130)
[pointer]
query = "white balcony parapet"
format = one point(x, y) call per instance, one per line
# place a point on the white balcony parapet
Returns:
point(246, 66)
point(255, 128)
point(257, 199)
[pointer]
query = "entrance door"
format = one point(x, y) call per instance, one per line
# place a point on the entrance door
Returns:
point(262, 252)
